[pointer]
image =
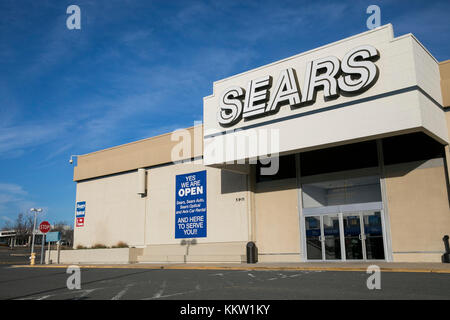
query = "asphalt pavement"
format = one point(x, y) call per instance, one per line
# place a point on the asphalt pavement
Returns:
point(24, 283)
point(288, 281)
point(18, 255)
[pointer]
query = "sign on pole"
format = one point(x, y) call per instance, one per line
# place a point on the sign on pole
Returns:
point(190, 205)
point(44, 227)
point(53, 236)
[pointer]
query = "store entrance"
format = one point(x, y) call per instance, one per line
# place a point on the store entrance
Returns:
point(323, 237)
point(345, 236)
point(363, 236)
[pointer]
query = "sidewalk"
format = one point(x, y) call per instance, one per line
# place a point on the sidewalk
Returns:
point(310, 266)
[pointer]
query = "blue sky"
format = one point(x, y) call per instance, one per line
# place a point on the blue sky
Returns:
point(141, 68)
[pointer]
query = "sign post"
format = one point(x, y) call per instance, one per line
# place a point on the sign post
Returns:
point(58, 245)
point(42, 247)
point(52, 237)
point(44, 227)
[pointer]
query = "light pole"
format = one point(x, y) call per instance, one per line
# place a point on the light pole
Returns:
point(35, 210)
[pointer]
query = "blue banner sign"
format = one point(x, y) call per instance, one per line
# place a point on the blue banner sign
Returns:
point(53, 236)
point(81, 209)
point(190, 205)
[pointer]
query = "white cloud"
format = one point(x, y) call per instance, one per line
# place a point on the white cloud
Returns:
point(29, 135)
point(13, 200)
point(13, 189)
point(12, 197)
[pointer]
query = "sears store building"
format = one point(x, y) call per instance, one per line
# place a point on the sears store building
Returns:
point(361, 128)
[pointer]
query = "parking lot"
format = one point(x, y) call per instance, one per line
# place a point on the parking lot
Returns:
point(18, 255)
point(24, 283)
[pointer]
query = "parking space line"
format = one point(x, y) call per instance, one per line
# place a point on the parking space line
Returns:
point(122, 293)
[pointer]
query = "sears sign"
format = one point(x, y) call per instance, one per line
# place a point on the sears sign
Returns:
point(354, 74)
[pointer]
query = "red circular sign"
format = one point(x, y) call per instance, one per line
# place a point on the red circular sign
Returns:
point(44, 227)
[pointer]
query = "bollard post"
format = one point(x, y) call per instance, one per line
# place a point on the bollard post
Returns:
point(252, 253)
point(446, 255)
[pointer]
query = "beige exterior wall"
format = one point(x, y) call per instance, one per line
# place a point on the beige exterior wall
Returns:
point(86, 256)
point(198, 252)
point(447, 149)
point(114, 211)
point(444, 68)
point(140, 154)
point(227, 204)
point(426, 70)
point(418, 210)
point(277, 221)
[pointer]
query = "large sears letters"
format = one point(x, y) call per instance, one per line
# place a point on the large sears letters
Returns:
point(356, 73)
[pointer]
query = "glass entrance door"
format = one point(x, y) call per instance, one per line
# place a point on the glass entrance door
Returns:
point(363, 234)
point(323, 238)
point(313, 238)
point(353, 237)
point(346, 236)
point(373, 235)
point(331, 237)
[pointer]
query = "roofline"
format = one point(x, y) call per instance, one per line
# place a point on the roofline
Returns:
point(138, 141)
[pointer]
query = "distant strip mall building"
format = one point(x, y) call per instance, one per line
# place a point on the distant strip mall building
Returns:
point(361, 126)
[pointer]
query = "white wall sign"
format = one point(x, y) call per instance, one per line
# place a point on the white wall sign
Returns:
point(354, 74)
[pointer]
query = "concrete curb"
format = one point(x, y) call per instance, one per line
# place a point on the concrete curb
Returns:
point(239, 268)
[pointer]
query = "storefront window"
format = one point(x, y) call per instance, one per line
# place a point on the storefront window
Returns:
point(341, 192)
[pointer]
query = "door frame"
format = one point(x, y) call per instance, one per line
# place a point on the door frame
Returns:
point(385, 221)
point(362, 235)
point(340, 215)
